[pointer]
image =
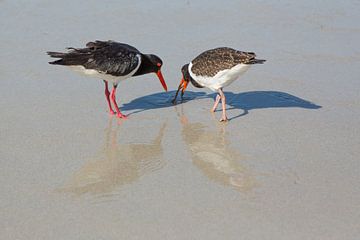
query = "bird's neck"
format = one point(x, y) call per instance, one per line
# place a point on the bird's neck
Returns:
point(146, 66)
point(187, 75)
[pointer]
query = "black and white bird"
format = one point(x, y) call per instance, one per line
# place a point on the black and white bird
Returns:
point(112, 62)
point(216, 69)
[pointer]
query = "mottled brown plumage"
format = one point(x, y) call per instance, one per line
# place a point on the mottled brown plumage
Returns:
point(212, 61)
point(216, 69)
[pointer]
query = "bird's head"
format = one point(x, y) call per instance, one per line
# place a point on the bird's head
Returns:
point(155, 66)
point(184, 81)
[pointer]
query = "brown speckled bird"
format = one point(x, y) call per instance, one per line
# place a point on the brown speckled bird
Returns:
point(215, 69)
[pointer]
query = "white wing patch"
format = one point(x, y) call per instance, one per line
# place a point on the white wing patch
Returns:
point(222, 78)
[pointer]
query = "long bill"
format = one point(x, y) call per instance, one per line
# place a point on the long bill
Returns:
point(161, 78)
point(182, 87)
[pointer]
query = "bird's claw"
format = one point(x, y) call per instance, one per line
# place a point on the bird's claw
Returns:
point(122, 116)
point(224, 119)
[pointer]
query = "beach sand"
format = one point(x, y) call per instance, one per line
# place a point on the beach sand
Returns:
point(286, 165)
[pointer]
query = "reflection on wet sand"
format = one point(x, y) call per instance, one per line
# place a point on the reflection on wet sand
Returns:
point(211, 153)
point(117, 164)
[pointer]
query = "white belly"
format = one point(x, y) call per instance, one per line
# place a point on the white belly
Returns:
point(222, 78)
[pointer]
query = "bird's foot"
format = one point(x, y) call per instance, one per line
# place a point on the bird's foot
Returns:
point(120, 115)
point(111, 112)
point(224, 119)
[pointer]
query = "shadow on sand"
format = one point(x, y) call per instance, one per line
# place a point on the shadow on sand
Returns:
point(158, 100)
point(264, 99)
point(246, 101)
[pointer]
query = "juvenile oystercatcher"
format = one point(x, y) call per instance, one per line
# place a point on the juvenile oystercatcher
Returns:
point(112, 62)
point(215, 69)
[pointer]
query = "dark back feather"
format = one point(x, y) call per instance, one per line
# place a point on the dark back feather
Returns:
point(108, 57)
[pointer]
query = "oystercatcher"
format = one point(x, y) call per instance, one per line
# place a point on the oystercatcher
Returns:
point(112, 62)
point(216, 69)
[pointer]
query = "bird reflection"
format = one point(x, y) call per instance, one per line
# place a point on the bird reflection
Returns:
point(117, 164)
point(211, 153)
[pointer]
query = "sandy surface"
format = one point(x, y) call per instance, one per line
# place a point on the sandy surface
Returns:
point(285, 167)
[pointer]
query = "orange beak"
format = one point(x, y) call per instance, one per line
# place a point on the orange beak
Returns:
point(161, 78)
point(183, 84)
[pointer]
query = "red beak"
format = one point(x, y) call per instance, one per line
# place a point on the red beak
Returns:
point(161, 78)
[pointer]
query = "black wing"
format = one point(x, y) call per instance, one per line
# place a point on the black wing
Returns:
point(108, 57)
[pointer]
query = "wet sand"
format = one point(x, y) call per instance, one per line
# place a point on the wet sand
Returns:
point(286, 165)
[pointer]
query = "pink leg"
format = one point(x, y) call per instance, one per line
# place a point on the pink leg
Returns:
point(223, 103)
point(107, 94)
point(216, 103)
point(113, 99)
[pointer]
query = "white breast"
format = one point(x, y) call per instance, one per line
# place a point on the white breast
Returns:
point(222, 78)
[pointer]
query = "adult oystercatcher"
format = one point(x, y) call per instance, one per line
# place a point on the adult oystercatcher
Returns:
point(112, 62)
point(215, 69)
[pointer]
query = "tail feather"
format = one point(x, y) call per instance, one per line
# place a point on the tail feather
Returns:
point(249, 58)
point(56, 54)
point(73, 57)
point(251, 54)
point(57, 62)
point(257, 61)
